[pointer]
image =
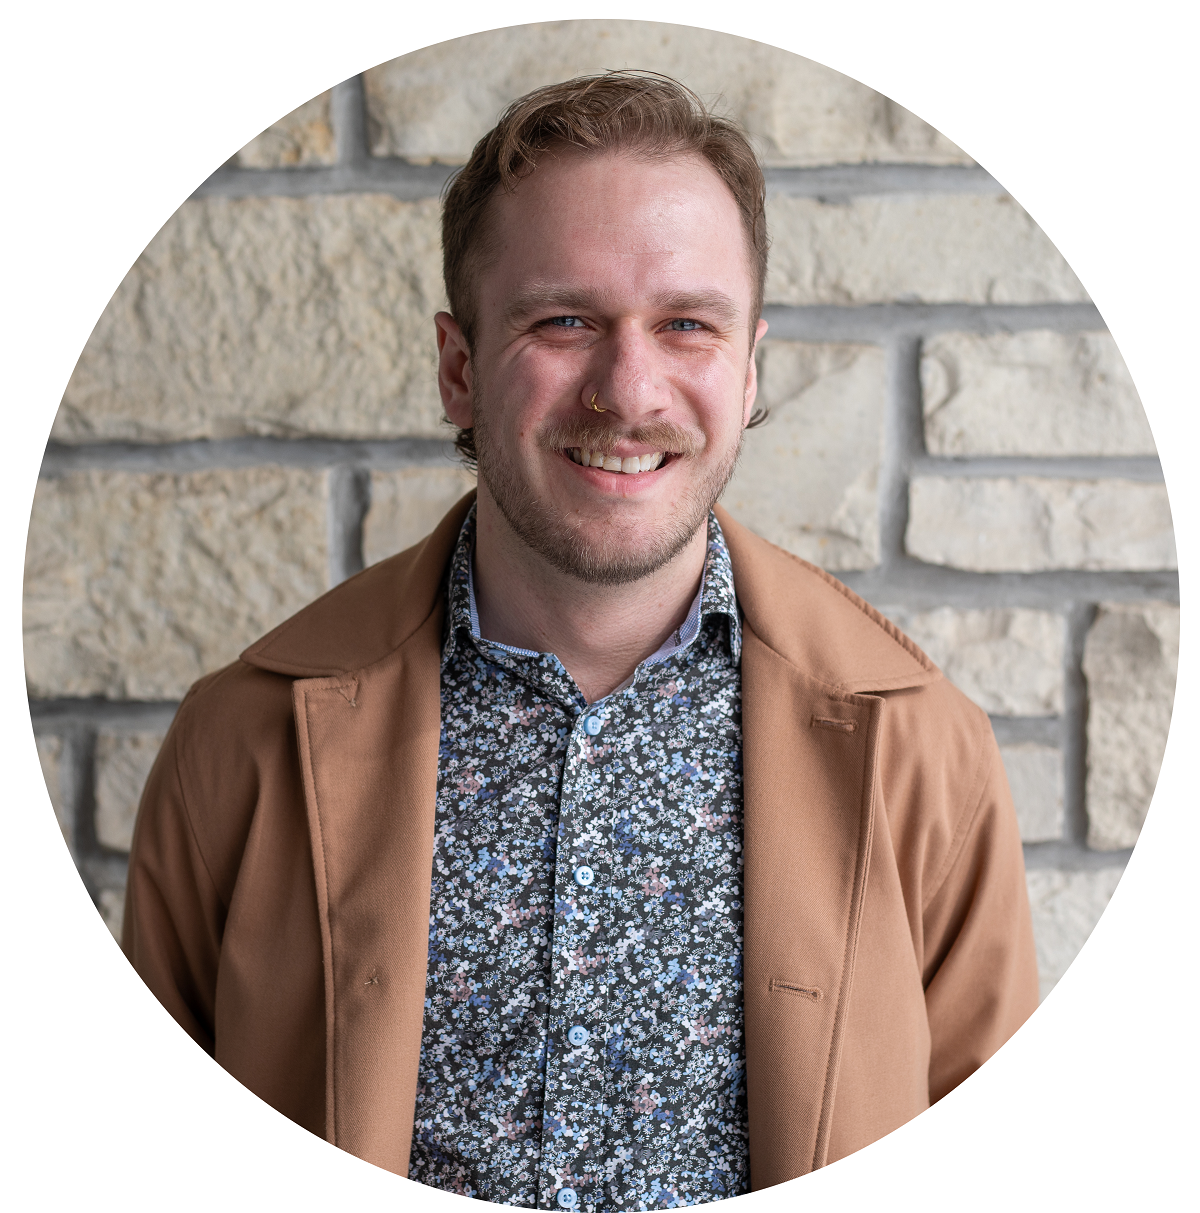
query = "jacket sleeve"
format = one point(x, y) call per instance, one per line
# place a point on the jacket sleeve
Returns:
point(980, 968)
point(174, 917)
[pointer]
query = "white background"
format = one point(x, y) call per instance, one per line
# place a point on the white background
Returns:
point(115, 112)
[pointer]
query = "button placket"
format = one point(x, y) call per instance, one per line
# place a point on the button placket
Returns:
point(575, 1104)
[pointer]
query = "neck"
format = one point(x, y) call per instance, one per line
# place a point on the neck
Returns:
point(599, 632)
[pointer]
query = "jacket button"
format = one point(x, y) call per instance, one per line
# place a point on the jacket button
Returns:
point(578, 1035)
point(566, 1198)
point(584, 876)
point(592, 726)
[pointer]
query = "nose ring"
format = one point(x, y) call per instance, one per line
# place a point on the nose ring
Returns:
point(592, 404)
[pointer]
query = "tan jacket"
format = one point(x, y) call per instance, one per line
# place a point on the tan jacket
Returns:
point(278, 899)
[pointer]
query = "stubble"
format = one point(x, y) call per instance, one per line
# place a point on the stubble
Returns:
point(605, 552)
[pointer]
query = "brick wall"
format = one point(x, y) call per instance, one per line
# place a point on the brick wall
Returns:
point(953, 432)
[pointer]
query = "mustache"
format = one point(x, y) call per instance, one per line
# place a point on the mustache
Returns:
point(594, 433)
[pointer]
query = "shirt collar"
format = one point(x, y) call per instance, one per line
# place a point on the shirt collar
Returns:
point(715, 597)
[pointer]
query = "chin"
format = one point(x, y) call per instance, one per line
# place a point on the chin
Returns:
point(616, 552)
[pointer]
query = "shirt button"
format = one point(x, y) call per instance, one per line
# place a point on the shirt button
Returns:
point(584, 875)
point(578, 1035)
point(566, 1198)
point(592, 726)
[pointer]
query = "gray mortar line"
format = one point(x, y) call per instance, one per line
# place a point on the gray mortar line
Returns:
point(348, 118)
point(349, 499)
point(1079, 619)
point(201, 454)
point(1071, 857)
point(877, 322)
point(104, 870)
point(837, 183)
point(1018, 730)
point(1146, 469)
point(402, 180)
point(909, 583)
point(363, 173)
point(58, 717)
point(902, 442)
point(77, 776)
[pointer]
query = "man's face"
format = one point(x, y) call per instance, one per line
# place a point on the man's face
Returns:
point(626, 279)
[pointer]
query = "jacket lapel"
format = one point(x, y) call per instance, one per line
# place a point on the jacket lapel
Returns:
point(367, 660)
point(809, 763)
point(368, 750)
point(813, 653)
point(368, 729)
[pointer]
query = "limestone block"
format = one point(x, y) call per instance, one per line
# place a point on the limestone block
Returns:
point(1066, 906)
point(1035, 778)
point(407, 504)
point(136, 584)
point(112, 910)
point(305, 136)
point(808, 479)
point(1022, 524)
point(50, 754)
point(1009, 661)
point(1035, 393)
point(1129, 660)
point(123, 761)
point(285, 316)
point(943, 248)
point(434, 104)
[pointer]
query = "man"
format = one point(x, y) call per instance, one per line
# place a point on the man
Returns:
point(593, 853)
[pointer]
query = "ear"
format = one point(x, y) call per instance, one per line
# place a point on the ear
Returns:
point(752, 374)
point(454, 371)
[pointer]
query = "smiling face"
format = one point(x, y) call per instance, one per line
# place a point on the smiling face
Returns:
point(625, 279)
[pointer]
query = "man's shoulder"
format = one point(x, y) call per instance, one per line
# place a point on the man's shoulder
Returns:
point(814, 622)
point(366, 617)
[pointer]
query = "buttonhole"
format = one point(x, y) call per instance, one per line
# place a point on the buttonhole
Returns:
point(831, 722)
point(787, 987)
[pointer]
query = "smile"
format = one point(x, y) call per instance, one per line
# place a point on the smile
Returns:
point(614, 463)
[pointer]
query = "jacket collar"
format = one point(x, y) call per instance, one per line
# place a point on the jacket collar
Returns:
point(804, 615)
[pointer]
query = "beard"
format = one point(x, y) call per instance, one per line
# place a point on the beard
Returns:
point(608, 553)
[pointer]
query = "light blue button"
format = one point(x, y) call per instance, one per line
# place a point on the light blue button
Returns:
point(566, 1198)
point(584, 875)
point(578, 1035)
point(592, 726)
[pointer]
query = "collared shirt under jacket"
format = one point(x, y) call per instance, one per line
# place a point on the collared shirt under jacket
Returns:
point(279, 882)
point(583, 1043)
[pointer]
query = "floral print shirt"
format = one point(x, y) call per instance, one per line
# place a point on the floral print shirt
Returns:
point(583, 1042)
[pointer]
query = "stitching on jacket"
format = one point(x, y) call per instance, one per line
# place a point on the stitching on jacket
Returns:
point(974, 802)
point(865, 608)
point(787, 987)
point(832, 722)
point(180, 769)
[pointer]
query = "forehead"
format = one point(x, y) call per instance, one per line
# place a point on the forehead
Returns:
point(618, 223)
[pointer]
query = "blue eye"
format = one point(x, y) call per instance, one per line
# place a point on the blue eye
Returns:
point(567, 322)
point(685, 326)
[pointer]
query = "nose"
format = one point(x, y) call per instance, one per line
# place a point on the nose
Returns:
point(626, 378)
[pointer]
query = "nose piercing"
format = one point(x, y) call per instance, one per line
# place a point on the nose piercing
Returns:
point(592, 404)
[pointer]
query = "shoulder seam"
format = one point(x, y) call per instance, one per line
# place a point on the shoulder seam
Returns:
point(864, 608)
point(180, 765)
point(971, 806)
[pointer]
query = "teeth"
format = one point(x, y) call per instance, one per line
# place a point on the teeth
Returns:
point(614, 463)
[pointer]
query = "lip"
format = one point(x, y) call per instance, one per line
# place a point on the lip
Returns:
point(618, 483)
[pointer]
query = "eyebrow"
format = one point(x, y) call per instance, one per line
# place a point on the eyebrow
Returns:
point(566, 301)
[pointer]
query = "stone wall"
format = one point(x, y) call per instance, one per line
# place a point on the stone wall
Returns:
point(953, 432)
